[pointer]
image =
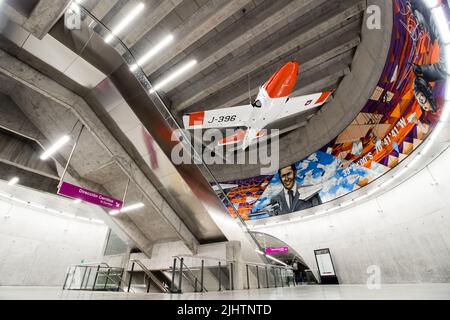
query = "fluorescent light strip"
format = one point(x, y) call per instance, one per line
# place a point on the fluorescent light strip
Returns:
point(174, 75)
point(125, 22)
point(13, 181)
point(77, 201)
point(128, 208)
point(55, 147)
point(44, 208)
point(161, 45)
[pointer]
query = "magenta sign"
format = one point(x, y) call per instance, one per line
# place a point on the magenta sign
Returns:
point(73, 191)
point(276, 250)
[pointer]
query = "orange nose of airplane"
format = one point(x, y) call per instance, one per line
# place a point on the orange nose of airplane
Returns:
point(282, 82)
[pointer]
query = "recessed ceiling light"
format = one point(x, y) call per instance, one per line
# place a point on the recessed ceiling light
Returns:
point(125, 22)
point(174, 75)
point(152, 52)
point(127, 208)
point(55, 147)
point(14, 180)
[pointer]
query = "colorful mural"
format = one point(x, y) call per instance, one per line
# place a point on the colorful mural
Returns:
point(403, 110)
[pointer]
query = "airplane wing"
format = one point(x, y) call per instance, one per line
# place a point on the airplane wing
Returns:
point(219, 118)
point(301, 104)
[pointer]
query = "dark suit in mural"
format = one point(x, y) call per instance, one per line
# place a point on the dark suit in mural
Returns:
point(290, 198)
point(297, 203)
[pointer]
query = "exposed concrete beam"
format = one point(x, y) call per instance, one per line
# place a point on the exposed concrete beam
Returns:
point(23, 153)
point(12, 14)
point(269, 20)
point(308, 83)
point(153, 16)
point(28, 178)
point(324, 83)
point(243, 67)
point(102, 8)
point(202, 22)
point(35, 84)
point(44, 16)
point(312, 59)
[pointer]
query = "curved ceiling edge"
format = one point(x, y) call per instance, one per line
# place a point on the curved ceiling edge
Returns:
point(407, 108)
point(335, 116)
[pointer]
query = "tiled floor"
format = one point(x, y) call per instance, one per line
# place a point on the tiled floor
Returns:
point(388, 292)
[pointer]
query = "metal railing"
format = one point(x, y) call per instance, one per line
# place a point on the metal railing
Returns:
point(93, 277)
point(150, 276)
point(254, 275)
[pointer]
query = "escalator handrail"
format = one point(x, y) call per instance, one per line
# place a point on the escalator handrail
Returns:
point(233, 261)
point(185, 139)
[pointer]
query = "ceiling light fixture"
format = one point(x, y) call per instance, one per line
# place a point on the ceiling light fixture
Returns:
point(77, 201)
point(125, 22)
point(13, 181)
point(174, 75)
point(44, 208)
point(127, 208)
point(55, 147)
point(152, 52)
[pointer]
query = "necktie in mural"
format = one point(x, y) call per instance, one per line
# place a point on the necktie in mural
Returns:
point(291, 198)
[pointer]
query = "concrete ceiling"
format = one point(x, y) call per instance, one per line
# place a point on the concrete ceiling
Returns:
point(36, 113)
point(238, 44)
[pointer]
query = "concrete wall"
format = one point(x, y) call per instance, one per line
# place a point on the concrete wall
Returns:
point(163, 253)
point(36, 248)
point(404, 231)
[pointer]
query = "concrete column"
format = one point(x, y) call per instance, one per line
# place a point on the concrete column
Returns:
point(233, 254)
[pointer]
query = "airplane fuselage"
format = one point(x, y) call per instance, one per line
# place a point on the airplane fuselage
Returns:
point(272, 95)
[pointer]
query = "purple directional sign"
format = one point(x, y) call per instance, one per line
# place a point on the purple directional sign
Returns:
point(73, 191)
point(276, 250)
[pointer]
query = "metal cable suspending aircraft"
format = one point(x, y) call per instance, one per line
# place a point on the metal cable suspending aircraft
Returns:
point(272, 104)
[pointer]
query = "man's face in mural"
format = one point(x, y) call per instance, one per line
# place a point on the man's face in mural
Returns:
point(287, 176)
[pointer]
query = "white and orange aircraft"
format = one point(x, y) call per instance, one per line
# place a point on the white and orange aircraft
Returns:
point(272, 103)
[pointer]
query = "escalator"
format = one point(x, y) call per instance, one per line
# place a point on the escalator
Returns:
point(185, 187)
point(179, 192)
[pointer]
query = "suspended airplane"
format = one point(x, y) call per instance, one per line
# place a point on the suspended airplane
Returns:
point(272, 103)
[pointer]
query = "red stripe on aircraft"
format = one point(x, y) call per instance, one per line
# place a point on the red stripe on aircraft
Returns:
point(196, 118)
point(323, 97)
point(282, 82)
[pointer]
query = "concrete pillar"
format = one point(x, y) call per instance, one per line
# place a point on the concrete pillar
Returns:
point(233, 254)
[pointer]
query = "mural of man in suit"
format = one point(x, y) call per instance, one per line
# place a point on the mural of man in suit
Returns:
point(289, 199)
